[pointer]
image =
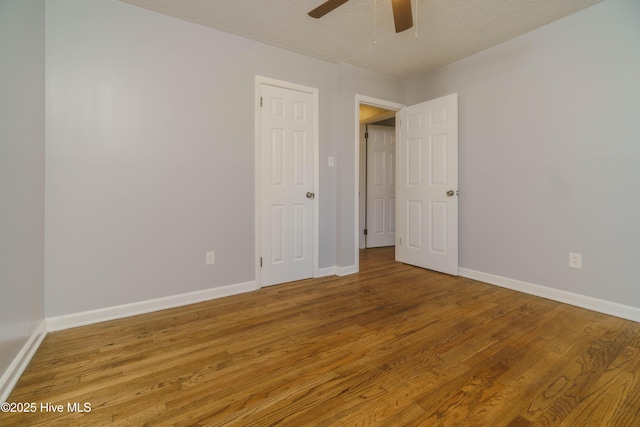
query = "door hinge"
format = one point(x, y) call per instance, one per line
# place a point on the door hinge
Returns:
point(260, 262)
point(366, 135)
point(401, 241)
point(366, 231)
point(260, 102)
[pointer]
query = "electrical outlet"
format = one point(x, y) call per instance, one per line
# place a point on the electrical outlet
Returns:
point(210, 258)
point(575, 260)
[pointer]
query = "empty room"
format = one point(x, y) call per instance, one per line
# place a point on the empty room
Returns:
point(199, 225)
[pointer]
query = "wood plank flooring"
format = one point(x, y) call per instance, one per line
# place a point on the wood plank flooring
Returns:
point(393, 345)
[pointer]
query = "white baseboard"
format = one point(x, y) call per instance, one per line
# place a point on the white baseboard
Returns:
point(583, 301)
point(11, 376)
point(19, 364)
point(110, 313)
point(326, 271)
point(345, 271)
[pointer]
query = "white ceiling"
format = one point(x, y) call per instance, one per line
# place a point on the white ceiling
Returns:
point(447, 30)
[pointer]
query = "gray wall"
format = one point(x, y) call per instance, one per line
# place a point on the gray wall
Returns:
point(150, 155)
point(549, 153)
point(22, 154)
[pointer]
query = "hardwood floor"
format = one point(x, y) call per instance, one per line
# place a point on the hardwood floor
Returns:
point(393, 345)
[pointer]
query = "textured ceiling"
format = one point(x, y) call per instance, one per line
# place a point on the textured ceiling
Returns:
point(447, 30)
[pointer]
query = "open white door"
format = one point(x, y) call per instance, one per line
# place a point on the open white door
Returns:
point(381, 186)
point(427, 234)
point(288, 132)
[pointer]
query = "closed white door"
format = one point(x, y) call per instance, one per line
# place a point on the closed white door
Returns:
point(287, 150)
point(381, 186)
point(428, 185)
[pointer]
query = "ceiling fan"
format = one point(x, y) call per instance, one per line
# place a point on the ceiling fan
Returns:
point(401, 12)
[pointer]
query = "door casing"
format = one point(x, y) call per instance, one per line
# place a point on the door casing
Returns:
point(376, 102)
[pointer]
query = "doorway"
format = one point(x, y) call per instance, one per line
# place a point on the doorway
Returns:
point(426, 178)
point(373, 110)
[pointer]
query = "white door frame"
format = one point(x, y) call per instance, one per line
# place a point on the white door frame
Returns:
point(259, 81)
point(376, 102)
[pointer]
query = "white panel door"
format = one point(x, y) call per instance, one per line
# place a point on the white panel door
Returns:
point(428, 185)
point(287, 132)
point(381, 186)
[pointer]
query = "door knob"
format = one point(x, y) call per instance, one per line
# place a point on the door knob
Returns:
point(310, 195)
point(450, 193)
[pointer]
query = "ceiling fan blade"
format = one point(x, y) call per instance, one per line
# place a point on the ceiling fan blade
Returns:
point(326, 7)
point(402, 14)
